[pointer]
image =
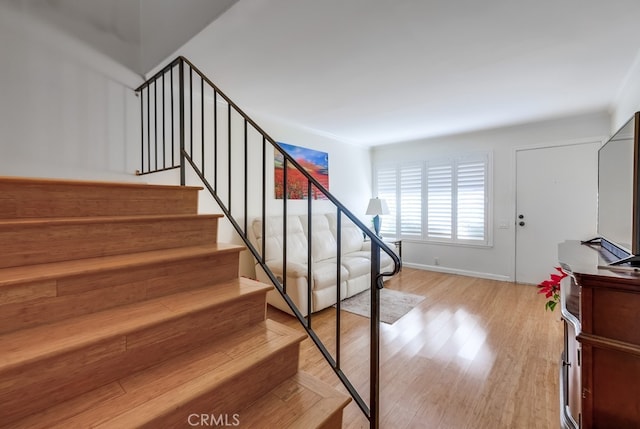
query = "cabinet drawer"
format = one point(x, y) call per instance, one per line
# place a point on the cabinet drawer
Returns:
point(611, 313)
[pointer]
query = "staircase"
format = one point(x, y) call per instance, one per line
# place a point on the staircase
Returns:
point(119, 309)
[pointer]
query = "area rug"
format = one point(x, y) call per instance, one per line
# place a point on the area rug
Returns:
point(393, 304)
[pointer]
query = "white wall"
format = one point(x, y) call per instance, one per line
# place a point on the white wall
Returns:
point(66, 110)
point(349, 165)
point(498, 260)
point(167, 24)
point(628, 99)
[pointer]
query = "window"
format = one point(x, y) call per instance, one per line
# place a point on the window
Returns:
point(444, 200)
point(387, 182)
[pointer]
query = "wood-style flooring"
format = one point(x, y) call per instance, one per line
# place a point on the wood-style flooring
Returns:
point(475, 353)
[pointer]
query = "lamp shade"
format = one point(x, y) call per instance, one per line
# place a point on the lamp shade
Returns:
point(377, 207)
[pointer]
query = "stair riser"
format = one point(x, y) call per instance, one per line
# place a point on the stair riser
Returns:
point(50, 242)
point(229, 398)
point(33, 304)
point(27, 198)
point(42, 383)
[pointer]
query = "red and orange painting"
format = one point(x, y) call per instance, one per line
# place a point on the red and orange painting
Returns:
point(316, 163)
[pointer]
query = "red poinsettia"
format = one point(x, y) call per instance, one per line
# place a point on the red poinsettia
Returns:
point(551, 289)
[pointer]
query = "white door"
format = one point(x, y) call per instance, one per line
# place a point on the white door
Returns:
point(556, 200)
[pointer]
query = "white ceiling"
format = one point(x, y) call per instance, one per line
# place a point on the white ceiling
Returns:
point(380, 71)
point(136, 33)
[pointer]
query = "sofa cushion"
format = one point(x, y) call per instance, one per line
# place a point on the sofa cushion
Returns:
point(296, 238)
point(325, 274)
point(356, 265)
point(351, 237)
point(323, 243)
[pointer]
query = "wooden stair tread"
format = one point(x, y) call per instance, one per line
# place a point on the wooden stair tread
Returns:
point(27, 345)
point(52, 221)
point(132, 400)
point(302, 402)
point(54, 182)
point(40, 272)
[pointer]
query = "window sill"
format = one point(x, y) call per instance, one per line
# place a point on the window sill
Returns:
point(448, 243)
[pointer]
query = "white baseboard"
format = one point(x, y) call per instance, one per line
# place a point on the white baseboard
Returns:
point(458, 271)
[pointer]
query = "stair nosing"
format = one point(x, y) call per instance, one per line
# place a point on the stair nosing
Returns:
point(85, 220)
point(57, 270)
point(72, 182)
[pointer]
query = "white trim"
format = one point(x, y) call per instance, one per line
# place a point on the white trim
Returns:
point(440, 269)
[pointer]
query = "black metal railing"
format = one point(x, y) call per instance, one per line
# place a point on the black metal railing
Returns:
point(212, 140)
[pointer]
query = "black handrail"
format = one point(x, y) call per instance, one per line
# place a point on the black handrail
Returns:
point(186, 157)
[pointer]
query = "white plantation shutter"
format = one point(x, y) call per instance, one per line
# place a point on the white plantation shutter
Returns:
point(471, 206)
point(439, 201)
point(386, 183)
point(411, 201)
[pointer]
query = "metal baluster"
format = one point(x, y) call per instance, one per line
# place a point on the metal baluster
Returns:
point(229, 157)
point(142, 131)
point(309, 250)
point(264, 196)
point(191, 112)
point(173, 143)
point(164, 144)
point(215, 139)
point(182, 128)
point(148, 129)
point(284, 225)
point(339, 281)
point(202, 119)
point(155, 121)
point(246, 172)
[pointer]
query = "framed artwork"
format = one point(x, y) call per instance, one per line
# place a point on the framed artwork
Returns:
point(315, 162)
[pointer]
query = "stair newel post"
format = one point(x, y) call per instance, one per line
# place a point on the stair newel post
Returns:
point(182, 130)
point(374, 361)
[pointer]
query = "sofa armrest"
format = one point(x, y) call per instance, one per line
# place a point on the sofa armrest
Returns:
point(367, 245)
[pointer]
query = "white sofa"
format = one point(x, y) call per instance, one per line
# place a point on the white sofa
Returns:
point(355, 268)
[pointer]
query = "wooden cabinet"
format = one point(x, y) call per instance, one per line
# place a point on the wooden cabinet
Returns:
point(600, 368)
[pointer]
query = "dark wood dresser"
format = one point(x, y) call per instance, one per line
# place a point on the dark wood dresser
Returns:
point(600, 368)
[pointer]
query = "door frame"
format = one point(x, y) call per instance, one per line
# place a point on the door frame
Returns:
point(514, 161)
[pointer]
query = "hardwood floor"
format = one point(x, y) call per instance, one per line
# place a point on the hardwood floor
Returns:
point(475, 353)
